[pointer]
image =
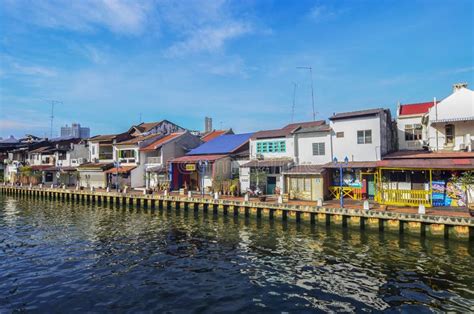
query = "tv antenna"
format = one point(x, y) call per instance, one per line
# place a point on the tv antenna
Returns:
point(312, 89)
point(53, 103)
point(294, 102)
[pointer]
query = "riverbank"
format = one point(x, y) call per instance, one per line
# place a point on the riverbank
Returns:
point(453, 225)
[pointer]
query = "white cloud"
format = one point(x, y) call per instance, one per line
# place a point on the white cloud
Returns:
point(33, 70)
point(208, 39)
point(123, 17)
point(321, 12)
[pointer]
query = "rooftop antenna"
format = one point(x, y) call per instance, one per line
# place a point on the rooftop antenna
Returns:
point(294, 102)
point(140, 120)
point(312, 89)
point(53, 102)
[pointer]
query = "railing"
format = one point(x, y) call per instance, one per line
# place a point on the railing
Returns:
point(153, 160)
point(127, 160)
point(351, 192)
point(106, 156)
point(405, 197)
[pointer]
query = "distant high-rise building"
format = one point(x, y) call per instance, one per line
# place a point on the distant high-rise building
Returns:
point(207, 124)
point(76, 131)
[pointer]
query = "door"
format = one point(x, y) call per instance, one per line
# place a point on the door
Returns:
point(271, 185)
point(370, 179)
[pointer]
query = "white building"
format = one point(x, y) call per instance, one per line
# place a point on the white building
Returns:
point(364, 135)
point(412, 133)
point(451, 121)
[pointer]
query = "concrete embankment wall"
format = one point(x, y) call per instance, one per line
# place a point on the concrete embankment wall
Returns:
point(422, 225)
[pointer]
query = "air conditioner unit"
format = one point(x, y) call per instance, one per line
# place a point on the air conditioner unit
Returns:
point(462, 146)
point(259, 156)
point(95, 160)
point(81, 160)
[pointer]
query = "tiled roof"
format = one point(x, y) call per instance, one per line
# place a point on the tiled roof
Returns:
point(309, 124)
point(161, 141)
point(224, 144)
point(147, 126)
point(355, 114)
point(213, 134)
point(196, 158)
point(353, 164)
point(104, 138)
point(413, 109)
point(137, 139)
point(271, 133)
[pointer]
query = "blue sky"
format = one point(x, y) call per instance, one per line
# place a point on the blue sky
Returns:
point(110, 61)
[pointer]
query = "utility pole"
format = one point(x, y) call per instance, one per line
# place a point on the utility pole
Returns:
point(312, 89)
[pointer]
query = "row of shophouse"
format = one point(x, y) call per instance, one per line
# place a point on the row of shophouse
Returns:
point(409, 159)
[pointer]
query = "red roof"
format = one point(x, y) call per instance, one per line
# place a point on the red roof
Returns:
point(158, 143)
point(419, 108)
point(196, 158)
point(213, 134)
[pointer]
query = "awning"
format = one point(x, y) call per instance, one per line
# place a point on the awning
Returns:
point(305, 169)
point(42, 167)
point(98, 166)
point(444, 164)
point(157, 169)
point(122, 169)
point(352, 164)
point(460, 119)
point(197, 158)
point(268, 163)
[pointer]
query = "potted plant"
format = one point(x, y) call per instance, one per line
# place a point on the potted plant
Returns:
point(466, 182)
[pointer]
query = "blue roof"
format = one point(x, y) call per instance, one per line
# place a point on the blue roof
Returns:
point(224, 144)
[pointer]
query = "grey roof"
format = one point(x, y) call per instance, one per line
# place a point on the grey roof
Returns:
point(321, 128)
point(354, 114)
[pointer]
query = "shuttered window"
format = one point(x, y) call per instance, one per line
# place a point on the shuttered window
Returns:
point(319, 149)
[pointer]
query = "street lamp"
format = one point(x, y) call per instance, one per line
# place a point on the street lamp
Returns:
point(341, 164)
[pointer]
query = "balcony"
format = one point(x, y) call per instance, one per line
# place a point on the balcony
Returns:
point(106, 156)
point(130, 160)
point(153, 160)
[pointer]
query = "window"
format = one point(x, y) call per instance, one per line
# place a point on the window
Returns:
point(93, 149)
point(364, 137)
point(340, 134)
point(413, 132)
point(127, 154)
point(449, 131)
point(271, 147)
point(319, 149)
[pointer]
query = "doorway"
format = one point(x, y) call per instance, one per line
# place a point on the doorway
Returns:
point(271, 185)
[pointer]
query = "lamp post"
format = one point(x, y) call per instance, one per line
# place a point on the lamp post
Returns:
point(341, 165)
point(117, 166)
point(202, 169)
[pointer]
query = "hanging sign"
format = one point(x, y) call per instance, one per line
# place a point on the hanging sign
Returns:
point(190, 167)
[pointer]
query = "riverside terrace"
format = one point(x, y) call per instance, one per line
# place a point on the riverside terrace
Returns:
point(452, 225)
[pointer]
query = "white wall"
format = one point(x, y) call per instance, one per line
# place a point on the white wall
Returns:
point(304, 146)
point(410, 145)
point(458, 106)
point(290, 148)
point(347, 146)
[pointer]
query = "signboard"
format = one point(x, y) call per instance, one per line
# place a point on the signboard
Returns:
point(190, 167)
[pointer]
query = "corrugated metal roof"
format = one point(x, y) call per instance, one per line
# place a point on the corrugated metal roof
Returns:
point(224, 144)
point(446, 163)
point(407, 154)
point(354, 114)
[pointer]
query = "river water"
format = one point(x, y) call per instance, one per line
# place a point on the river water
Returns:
point(61, 257)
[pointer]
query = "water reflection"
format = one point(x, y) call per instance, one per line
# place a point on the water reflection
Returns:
point(72, 257)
